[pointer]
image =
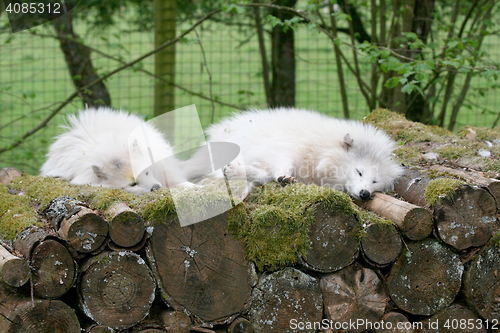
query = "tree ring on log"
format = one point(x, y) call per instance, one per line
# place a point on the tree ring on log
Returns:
point(116, 289)
point(467, 219)
point(334, 240)
point(200, 268)
point(425, 278)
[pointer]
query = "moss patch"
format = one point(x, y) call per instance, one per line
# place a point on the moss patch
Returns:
point(16, 214)
point(441, 188)
point(43, 190)
point(274, 229)
point(401, 129)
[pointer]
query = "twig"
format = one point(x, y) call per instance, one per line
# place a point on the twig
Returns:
point(164, 80)
point(209, 76)
point(73, 95)
point(263, 56)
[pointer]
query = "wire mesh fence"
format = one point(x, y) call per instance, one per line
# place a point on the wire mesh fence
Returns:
point(34, 78)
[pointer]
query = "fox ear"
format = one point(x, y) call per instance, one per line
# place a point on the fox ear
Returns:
point(347, 143)
point(99, 172)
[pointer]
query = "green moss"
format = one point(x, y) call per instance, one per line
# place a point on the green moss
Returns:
point(453, 152)
point(370, 218)
point(401, 129)
point(43, 190)
point(408, 154)
point(16, 213)
point(273, 238)
point(274, 228)
point(102, 198)
point(441, 188)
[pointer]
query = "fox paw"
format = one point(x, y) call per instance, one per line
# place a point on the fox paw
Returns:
point(234, 170)
point(285, 180)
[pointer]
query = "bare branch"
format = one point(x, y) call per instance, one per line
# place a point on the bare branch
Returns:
point(44, 123)
point(209, 76)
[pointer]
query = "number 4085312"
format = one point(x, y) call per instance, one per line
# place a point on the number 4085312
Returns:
point(32, 8)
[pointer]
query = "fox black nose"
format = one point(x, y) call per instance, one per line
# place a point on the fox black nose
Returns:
point(364, 195)
point(155, 187)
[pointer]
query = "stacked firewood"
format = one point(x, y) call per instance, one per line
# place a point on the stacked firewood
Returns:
point(299, 258)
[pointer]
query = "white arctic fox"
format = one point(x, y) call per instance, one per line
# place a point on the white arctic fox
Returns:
point(95, 150)
point(286, 144)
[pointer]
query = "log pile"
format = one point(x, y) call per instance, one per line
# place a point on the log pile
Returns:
point(299, 258)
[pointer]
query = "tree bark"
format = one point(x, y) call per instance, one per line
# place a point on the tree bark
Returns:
point(474, 177)
point(271, 311)
point(14, 271)
point(79, 63)
point(414, 222)
point(425, 278)
point(353, 293)
point(283, 59)
point(116, 289)
point(82, 227)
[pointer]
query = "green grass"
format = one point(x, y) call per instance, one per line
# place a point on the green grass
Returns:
point(33, 76)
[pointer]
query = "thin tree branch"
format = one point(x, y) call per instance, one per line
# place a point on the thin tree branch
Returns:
point(209, 76)
point(44, 123)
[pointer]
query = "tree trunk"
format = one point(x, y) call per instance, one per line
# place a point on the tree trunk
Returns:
point(79, 63)
point(425, 278)
point(352, 294)
point(414, 222)
point(283, 59)
point(116, 289)
point(164, 17)
point(20, 314)
point(53, 270)
point(200, 268)
point(271, 311)
point(126, 227)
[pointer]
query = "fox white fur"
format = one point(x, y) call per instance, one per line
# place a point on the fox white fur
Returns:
point(95, 150)
point(296, 144)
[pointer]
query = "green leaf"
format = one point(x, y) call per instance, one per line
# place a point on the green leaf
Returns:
point(392, 82)
point(273, 20)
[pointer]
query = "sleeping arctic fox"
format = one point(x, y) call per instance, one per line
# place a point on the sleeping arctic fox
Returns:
point(286, 144)
point(96, 150)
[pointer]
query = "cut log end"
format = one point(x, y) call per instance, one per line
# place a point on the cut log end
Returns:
point(334, 241)
point(353, 293)
point(126, 227)
point(116, 289)
point(283, 297)
point(425, 278)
